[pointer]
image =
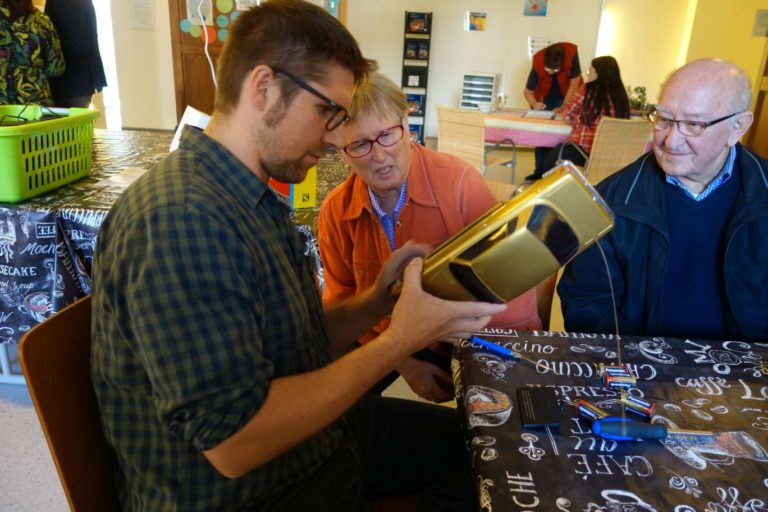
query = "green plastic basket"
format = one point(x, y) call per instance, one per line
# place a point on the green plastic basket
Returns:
point(43, 155)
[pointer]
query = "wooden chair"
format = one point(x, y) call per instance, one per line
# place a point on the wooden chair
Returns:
point(55, 359)
point(461, 132)
point(618, 143)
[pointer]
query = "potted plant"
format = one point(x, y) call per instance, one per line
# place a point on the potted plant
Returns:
point(638, 101)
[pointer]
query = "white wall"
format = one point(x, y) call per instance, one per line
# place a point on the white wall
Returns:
point(144, 68)
point(648, 37)
point(501, 48)
point(647, 49)
point(735, 40)
point(145, 64)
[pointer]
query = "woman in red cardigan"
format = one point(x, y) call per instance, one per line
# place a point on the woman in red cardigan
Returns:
point(398, 191)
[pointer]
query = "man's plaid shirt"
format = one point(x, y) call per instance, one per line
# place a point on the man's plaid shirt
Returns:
point(202, 295)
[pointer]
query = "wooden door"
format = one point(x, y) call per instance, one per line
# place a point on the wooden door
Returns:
point(757, 138)
point(191, 71)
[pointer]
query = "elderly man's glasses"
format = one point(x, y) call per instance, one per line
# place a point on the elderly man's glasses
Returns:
point(339, 114)
point(552, 71)
point(387, 138)
point(689, 128)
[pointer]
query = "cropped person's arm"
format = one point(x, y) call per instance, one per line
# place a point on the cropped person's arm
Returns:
point(532, 101)
point(299, 406)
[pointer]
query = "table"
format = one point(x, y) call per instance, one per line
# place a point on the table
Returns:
point(720, 387)
point(47, 242)
point(509, 124)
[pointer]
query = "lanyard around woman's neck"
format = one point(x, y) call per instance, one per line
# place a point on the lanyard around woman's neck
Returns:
point(388, 222)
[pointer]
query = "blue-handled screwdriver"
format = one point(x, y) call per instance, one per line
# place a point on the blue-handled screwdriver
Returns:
point(624, 429)
point(504, 351)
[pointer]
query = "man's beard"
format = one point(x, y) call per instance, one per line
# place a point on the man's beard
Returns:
point(281, 169)
point(287, 171)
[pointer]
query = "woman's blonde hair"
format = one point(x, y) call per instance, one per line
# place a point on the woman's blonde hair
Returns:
point(380, 96)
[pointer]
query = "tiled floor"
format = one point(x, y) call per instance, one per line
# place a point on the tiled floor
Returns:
point(28, 479)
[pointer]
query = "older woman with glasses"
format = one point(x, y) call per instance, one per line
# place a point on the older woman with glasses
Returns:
point(399, 191)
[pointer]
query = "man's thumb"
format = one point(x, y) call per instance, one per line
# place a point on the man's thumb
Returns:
point(412, 274)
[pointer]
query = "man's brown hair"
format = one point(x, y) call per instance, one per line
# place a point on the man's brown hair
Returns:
point(553, 56)
point(293, 35)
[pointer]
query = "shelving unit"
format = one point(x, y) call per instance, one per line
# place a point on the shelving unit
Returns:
point(416, 51)
point(479, 88)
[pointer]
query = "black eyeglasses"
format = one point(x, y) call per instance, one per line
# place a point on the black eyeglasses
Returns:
point(689, 128)
point(387, 138)
point(339, 115)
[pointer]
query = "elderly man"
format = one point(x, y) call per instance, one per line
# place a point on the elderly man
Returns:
point(211, 355)
point(687, 257)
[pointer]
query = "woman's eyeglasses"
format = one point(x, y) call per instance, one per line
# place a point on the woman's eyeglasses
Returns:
point(387, 138)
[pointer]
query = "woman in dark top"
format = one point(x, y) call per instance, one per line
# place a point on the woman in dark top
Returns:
point(75, 21)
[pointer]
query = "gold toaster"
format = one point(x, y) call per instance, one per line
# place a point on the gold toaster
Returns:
point(518, 243)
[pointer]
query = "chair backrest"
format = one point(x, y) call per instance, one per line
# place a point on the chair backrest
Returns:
point(618, 142)
point(55, 358)
point(502, 190)
point(461, 132)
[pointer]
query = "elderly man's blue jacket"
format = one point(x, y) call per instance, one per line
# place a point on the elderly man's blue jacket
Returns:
point(637, 251)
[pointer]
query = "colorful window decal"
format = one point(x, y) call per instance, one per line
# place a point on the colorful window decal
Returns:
point(226, 17)
point(224, 5)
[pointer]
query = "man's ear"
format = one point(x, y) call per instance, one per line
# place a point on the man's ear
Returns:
point(260, 87)
point(741, 124)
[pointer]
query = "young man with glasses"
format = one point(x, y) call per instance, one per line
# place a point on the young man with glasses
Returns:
point(211, 355)
point(687, 254)
point(554, 78)
point(399, 191)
